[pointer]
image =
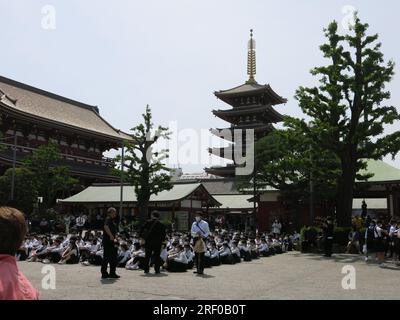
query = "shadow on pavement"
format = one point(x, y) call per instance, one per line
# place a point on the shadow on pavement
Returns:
point(154, 275)
point(345, 258)
point(108, 281)
point(205, 276)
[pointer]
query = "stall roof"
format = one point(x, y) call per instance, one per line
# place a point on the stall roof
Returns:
point(107, 193)
point(234, 201)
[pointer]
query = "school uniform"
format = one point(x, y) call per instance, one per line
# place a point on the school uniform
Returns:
point(263, 249)
point(200, 231)
point(190, 257)
point(179, 263)
point(225, 255)
point(235, 254)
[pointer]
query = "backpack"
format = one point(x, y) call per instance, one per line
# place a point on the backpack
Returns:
point(370, 234)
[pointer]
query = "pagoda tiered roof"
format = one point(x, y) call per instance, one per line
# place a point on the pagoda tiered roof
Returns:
point(260, 111)
point(245, 90)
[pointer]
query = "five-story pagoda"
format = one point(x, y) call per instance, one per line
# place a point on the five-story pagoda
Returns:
point(252, 108)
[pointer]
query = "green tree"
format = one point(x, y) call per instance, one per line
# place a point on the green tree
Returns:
point(143, 167)
point(51, 179)
point(347, 107)
point(287, 159)
point(26, 192)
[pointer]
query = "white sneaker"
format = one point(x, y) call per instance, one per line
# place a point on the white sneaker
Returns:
point(61, 262)
point(46, 261)
point(366, 259)
point(86, 263)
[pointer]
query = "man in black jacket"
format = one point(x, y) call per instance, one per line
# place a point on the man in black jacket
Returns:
point(110, 245)
point(153, 233)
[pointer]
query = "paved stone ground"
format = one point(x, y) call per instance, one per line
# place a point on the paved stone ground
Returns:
point(287, 276)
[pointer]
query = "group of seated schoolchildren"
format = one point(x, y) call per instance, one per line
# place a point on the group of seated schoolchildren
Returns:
point(222, 247)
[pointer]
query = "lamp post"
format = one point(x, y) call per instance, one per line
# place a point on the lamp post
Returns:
point(311, 183)
point(121, 195)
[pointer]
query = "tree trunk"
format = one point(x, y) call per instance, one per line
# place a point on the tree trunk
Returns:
point(143, 213)
point(344, 204)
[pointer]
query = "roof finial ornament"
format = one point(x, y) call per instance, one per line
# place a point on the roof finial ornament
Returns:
point(251, 59)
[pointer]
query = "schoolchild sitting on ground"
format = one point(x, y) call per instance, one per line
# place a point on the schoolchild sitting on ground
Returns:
point(71, 254)
point(263, 248)
point(189, 255)
point(136, 261)
point(253, 249)
point(235, 252)
point(244, 251)
point(211, 256)
point(124, 255)
point(177, 261)
point(225, 254)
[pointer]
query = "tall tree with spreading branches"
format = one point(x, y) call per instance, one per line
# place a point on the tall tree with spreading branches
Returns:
point(144, 167)
point(348, 108)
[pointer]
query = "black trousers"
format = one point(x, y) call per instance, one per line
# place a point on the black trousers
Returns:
point(152, 252)
point(109, 258)
point(328, 243)
point(199, 261)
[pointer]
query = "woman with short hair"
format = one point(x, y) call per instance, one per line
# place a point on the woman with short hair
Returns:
point(13, 284)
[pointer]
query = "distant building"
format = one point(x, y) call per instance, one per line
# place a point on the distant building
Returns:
point(252, 108)
point(31, 117)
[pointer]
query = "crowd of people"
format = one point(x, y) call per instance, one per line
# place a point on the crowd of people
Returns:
point(380, 240)
point(177, 252)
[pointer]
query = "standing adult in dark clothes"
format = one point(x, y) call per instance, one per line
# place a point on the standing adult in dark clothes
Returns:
point(110, 250)
point(153, 234)
point(328, 237)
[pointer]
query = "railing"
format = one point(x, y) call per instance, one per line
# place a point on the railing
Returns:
point(104, 162)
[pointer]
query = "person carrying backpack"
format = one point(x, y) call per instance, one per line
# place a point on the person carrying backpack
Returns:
point(369, 240)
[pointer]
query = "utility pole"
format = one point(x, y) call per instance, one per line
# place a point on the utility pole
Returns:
point(121, 196)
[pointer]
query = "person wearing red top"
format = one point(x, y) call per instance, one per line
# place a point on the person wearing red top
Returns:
point(13, 284)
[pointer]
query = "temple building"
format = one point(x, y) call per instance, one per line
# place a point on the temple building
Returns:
point(31, 117)
point(252, 109)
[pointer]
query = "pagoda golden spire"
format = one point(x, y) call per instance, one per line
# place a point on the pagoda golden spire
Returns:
point(251, 59)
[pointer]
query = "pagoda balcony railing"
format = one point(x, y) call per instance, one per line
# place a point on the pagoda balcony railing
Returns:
point(104, 162)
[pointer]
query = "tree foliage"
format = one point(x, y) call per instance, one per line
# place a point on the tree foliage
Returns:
point(144, 167)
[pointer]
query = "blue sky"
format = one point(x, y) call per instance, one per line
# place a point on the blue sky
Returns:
point(122, 55)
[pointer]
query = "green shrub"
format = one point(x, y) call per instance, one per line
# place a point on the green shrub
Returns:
point(341, 236)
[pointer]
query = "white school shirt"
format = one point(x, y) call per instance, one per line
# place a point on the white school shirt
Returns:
point(276, 228)
point(392, 231)
point(263, 247)
point(181, 258)
point(164, 254)
point(94, 248)
point(377, 232)
point(189, 255)
point(235, 250)
point(214, 253)
point(224, 252)
point(202, 227)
